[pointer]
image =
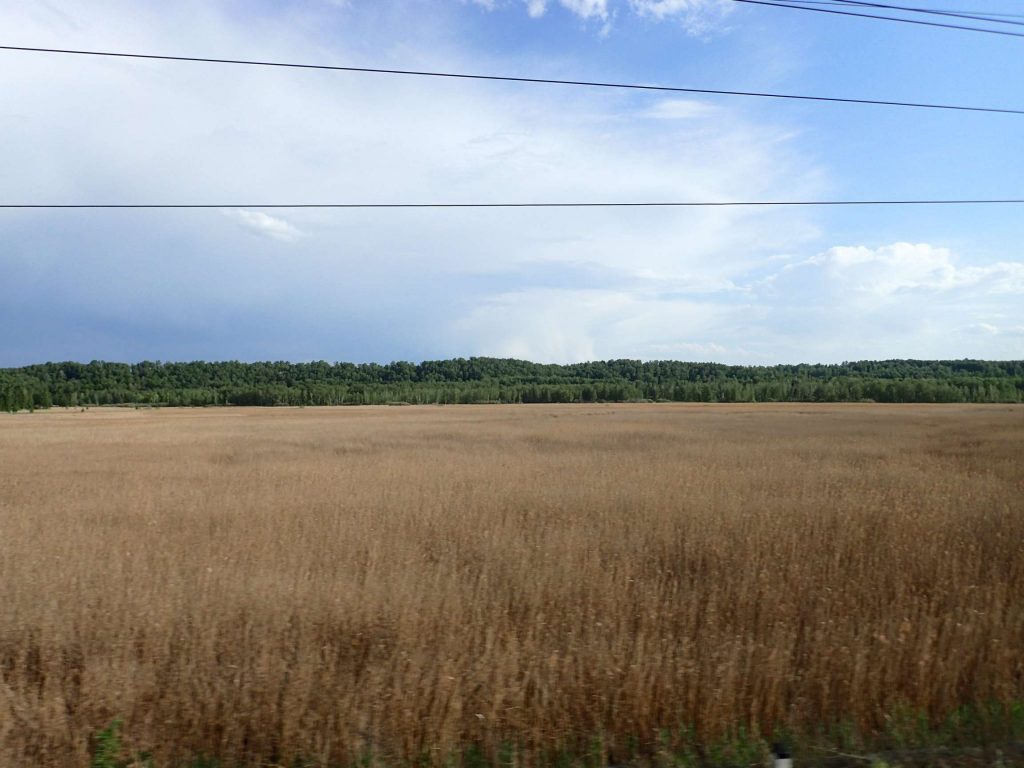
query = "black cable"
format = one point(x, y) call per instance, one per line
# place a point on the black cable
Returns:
point(910, 9)
point(884, 18)
point(988, 14)
point(593, 84)
point(990, 201)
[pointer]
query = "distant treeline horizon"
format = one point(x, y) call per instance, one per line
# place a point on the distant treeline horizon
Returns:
point(494, 380)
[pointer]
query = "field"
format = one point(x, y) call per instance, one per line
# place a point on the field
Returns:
point(519, 584)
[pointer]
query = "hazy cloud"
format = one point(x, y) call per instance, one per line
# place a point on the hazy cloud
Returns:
point(679, 109)
point(575, 325)
point(265, 225)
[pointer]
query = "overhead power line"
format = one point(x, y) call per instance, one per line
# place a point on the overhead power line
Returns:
point(920, 22)
point(960, 12)
point(990, 18)
point(660, 204)
point(506, 78)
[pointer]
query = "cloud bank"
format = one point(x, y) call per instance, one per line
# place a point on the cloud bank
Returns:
point(735, 285)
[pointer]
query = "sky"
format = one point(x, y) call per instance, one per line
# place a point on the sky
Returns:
point(731, 285)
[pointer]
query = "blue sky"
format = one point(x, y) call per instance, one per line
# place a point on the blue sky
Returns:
point(729, 285)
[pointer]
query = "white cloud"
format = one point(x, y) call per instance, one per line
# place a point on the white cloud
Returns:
point(536, 8)
point(902, 267)
point(897, 300)
point(697, 16)
point(265, 225)
point(663, 8)
point(588, 9)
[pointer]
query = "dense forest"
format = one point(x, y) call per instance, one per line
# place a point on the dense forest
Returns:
point(490, 380)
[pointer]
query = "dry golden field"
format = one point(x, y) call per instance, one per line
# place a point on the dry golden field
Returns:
point(402, 583)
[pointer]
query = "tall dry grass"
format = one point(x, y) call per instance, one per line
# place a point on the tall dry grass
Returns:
point(264, 584)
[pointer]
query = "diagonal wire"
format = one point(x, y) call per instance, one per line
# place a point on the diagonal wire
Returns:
point(661, 204)
point(504, 78)
point(911, 9)
point(920, 22)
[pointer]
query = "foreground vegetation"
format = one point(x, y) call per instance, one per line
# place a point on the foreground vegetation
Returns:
point(670, 584)
point(488, 380)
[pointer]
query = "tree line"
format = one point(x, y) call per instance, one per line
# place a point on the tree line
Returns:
point(493, 380)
